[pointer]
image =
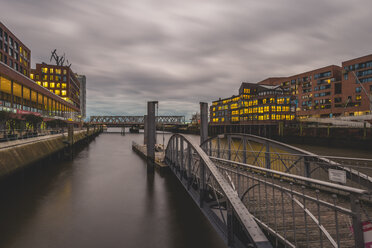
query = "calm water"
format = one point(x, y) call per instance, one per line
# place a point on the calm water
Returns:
point(103, 198)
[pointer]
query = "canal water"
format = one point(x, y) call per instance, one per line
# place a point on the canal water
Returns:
point(103, 198)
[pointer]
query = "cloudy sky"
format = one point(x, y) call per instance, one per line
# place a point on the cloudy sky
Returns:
point(184, 52)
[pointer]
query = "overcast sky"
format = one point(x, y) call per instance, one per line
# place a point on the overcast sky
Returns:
point(184, 52)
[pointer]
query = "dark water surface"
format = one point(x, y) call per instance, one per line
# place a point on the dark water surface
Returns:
point(103, 198)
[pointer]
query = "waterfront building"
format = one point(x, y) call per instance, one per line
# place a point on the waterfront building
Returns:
point(333, 90)
point(255, 104)
point(329, 91)
point(13, 52)
point(83, 95)
point(60, 80)
point(18, 93)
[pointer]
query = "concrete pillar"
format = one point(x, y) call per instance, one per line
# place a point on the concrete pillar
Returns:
point(145, 129)
point(151, 131)
point(203, 122)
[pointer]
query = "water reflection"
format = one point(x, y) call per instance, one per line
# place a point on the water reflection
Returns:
point(103, 198)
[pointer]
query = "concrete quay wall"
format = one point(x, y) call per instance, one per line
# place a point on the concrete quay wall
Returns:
point(18, 154)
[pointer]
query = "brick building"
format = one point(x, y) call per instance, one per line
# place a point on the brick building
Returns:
point(60, 80)
point(13, 52)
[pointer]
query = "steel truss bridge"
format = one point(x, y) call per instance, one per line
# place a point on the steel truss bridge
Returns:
point(124, 121)
point(257, 192)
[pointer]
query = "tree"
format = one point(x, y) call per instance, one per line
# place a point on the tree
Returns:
point(4, 118)
point(34, 121)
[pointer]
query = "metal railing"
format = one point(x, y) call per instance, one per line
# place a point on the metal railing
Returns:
point(6, 135)
point(213, 194)
point(278, 156)
point(291, 195)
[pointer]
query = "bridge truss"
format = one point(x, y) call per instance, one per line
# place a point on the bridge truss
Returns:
point(134, 120)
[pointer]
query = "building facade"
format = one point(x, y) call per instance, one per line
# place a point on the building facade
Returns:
point(83, 95)
point(58, 79)
point(13, 52)
point(332, 90)
point(18, 93)
point(255, 104)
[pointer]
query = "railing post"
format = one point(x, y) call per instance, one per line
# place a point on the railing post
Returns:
point(307, 167)
point(229, 145)
point(357, 221)
point(181, 159)
point(244, 150)
point(202, 183)
point(267, 156)
point(203, 123)
point(230, 225)
point(189, 161)
point(177, 155)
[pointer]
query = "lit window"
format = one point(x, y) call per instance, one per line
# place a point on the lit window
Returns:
point(32, 76)
point(44, 70)
point(38, 82)
point(63, 86)
point(58, 71)
point(45, 84)
point(358, 98)
point(52, 85)
point(64, 72)
point(64, 92)
point(58, 92)
point(51, 77)
point(58, 85)
point(51, 70)
point(45, 77)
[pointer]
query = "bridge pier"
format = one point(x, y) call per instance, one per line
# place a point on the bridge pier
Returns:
point(151, 135)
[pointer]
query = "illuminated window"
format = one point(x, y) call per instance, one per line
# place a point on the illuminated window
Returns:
point(63, 92)
point(272, 116)
point(64, 72)
point(264, 101)
point(45, 77)
point(267, 108)
point(58, 85)
point(51, 70)
point(358, 97)
point(273, 108)
point(214, 114)
point(214, 109)
point(32, 76)
point(38, 82)
point(44, 70)
point(58, 71)
point(223, 119)
point(260, 110)
point(278, 108)
point(58, 92)
point(51, 77)
point(52, 85)
point(51, 90)
point(45, 84)
point(63, 86)
point(20, 49)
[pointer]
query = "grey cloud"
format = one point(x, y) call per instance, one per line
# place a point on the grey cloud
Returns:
point(184, 52)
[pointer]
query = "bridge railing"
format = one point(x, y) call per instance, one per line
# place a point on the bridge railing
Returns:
point(289, 191)
point(135, 119)
point(299, 211)
point(214, 195)
point(270, 154)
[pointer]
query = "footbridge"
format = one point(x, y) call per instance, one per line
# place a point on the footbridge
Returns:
point(258, 192)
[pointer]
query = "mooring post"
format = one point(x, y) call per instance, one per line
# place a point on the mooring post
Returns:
point(203, 123)
point(145, 130)
point(70, 139)
point(151, 132)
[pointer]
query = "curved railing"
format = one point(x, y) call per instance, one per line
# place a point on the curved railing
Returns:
point(288, 191)
point(271, 154)
point(216, 198)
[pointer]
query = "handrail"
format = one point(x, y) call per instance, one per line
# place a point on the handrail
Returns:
point(306, 179)
point(245, 217)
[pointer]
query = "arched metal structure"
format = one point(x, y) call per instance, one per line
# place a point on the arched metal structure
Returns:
point(289, 194)
point(213, 193)
point(117, 121)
